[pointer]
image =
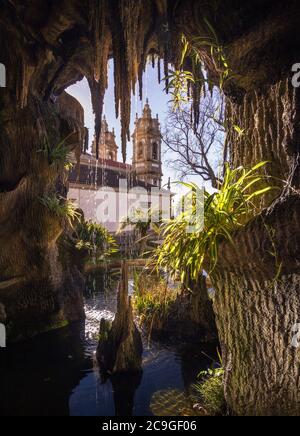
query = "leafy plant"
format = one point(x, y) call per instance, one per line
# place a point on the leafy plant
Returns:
point(178, 87)
point(95, 239)
point(198, 54)
point(191, 240)
point(61, 207)
point(239, 131)
point(58, 155)
point(139, 219)
point(152, 297)
point(211, 390)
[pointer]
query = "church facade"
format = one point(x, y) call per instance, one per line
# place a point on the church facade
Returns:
point(106, 189)
point(147, 139)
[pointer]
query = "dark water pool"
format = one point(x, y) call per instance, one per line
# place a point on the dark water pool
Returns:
point(56, 373)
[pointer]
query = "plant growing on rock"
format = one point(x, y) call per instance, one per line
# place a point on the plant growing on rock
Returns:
point(95, 239)
point(152, 298)
point(61, 207)
point(58, 156)
point(189, 79)
point(211, 390)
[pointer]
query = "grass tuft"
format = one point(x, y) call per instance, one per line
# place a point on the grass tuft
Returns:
point(211, 390)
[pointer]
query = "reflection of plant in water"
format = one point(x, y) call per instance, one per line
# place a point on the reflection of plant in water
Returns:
point(173, 403)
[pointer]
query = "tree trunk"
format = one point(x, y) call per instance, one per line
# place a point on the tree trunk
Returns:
point(269, 119)
point(257, 305)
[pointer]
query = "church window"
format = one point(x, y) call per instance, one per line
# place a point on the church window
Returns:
point(155, 151)
point(140, 150)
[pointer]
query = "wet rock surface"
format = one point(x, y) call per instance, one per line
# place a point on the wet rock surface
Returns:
point(120, 347)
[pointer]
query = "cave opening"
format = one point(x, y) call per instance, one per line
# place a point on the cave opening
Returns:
point(243, 50)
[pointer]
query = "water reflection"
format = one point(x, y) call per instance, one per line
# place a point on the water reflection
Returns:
point(37, 377)
point(56, 374)
point(125, 387)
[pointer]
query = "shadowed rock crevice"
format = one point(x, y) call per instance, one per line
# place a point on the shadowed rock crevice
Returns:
point(41, 289)
point(45, 49)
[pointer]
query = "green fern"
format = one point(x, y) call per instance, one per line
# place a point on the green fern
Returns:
point(196, 52)
point(224, 211)
point(61, 207)
point(58, 155)
point(95, 239)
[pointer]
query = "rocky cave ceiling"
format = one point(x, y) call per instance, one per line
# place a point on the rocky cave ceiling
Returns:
point(47, 46)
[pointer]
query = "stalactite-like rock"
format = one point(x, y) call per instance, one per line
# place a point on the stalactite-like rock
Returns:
point(120, 347)
point(45, 49)
point(97, 94)
point(126, 22)
point(66, 45)
point(98, 80)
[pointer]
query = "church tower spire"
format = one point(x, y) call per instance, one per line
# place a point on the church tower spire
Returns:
point(147, 164)
point(108, 149)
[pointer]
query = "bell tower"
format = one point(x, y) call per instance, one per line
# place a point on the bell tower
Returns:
point(108, 149)
point(147, 165)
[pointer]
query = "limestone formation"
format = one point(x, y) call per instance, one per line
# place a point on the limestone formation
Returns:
point(46, 49)
point(120, 347)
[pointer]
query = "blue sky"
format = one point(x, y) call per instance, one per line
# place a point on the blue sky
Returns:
point(154, 91)
point(158, 100)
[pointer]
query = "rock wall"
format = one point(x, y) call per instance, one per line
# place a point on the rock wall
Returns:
point(269, 120)
point(38, 289)
point(45, 49)
point(257, 282)
point(257, 305)
point(190, 318)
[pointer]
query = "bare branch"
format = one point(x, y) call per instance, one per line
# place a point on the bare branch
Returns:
point(199, 153)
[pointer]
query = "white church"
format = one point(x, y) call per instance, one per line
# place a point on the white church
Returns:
point(107, 190)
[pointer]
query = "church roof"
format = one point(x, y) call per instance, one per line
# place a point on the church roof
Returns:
point(108, 173)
